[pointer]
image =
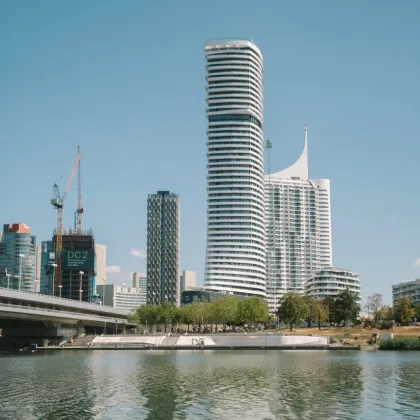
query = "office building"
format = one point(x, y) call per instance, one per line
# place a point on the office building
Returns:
point(78, 267)
point(18, 258)
point(236, 254)
point(46, 267)
point(100, 261)
point(187, 280)
point(140, 284)
point(163, 243)
point(119, 296)
point(410, 289)
point(330, 282)
point(298, 226)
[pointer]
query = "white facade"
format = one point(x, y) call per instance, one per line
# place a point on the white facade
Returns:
point(140, 284)
point(298, 224)
point(330, 282)
point(409, 289)
point(188, 280)
point(119, 297)
point(235, 256)
point(100, 254)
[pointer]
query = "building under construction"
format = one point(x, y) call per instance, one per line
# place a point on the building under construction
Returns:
point(77, 280)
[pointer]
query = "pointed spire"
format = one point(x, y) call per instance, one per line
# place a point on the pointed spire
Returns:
point(300, 168)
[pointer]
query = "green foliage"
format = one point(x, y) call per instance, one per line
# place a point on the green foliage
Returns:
point(403, 311)
point(251, 311)
point(400, 343)
point(331, 308)
point(317, 311)
point(293, 309)
point(417, 312)
point(346, 307)
point(224, 311)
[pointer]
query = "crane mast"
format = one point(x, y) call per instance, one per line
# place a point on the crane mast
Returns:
point(79, 199)
point(58, 203)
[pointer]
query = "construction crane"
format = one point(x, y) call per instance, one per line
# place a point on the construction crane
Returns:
point(58, 203)
point(79, 210)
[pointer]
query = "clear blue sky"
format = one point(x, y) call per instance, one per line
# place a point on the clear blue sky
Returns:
point(126, 80)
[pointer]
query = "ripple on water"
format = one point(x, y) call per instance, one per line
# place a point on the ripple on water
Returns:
point(208, 385)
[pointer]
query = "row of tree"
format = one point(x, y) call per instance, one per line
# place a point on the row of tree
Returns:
point(225, 311)
point(296, 309)
point(404, 311)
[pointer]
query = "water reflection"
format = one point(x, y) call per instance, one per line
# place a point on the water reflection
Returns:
point(209, 385)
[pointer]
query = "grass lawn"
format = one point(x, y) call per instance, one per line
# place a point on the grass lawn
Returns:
point(362, 334)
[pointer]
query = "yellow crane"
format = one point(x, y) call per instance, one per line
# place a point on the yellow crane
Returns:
point(58, 203)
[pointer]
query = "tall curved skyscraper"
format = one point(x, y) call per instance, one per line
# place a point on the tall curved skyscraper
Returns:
point(236, 255)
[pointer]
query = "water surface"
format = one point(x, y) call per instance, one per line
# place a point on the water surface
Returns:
point(115, 385)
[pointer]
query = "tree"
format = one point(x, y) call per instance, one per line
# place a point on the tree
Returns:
point(403, 311)
point(252, 310)
point(373, 305)
point(347, 307)
point(329, 303)
point(293, 309)
point(224, 311)
point(319, 312)
point(417, 313)
point(185, 314)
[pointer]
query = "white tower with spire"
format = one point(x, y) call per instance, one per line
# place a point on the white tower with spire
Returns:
point(298, 226)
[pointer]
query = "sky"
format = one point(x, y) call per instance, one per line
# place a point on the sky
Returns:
point(126, 81)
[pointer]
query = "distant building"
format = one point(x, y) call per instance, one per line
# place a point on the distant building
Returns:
point(38, 268)
point(409, 289)
point(140, 284)
point(100, 261)
point(298, 226)
point(187, 280)
point(200, 294)
point(163, 242)
point(119, 297)
point(17, 257)
point(330, 282)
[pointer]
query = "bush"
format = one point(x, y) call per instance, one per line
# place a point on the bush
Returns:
point(386, 325)
point(400, 343)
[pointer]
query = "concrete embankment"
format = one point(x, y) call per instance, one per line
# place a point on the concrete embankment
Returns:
point(268, 341)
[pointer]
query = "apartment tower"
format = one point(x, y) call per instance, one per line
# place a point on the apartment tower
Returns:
point(298, 225)
point(163, 234)
point(235, 255)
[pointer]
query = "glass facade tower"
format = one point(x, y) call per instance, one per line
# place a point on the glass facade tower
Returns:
point(163, 234)
point(235, 256)
point(17, 257)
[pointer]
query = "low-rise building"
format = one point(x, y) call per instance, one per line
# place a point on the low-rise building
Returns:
point(201, 294)
point(330, 282)
point(409, 289)
point(118, 296)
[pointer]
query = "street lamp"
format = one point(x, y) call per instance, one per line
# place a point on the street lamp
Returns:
point(81, 290)
point(8, 278)
point(21, 256)
point(54, 266)
point(60, 286)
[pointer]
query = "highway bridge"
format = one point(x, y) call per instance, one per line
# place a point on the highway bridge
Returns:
point(27, 315)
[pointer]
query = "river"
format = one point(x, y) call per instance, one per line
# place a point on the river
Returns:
point(125, 384)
